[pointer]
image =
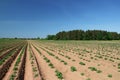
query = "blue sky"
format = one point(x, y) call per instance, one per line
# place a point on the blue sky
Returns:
point(33, 18)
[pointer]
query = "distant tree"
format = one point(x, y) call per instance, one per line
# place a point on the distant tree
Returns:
point(51, 37)
point(15, 38)
point(38, 37)
point(85, 35)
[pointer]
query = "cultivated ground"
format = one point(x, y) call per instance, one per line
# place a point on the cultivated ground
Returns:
point(60, 60)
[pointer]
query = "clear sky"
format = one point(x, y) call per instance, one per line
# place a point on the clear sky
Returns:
point(38, 18)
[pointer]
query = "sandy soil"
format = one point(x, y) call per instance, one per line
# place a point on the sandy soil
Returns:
point(65, 69)
point(46, 71)
point(103, 56)
point(28, 68)
point(106, 66)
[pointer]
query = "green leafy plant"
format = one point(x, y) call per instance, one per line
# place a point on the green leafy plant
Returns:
point(47, 60)
point(51, 65)
point(81, 63)
point(36, 75)
point(110, 75)
point(59, 74)
point(73, 69)
point(92, 68)
point(65, 63)
point(98, 71)
point(82, 74)
point(88, 79)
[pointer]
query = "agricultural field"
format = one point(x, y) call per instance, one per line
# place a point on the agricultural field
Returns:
point(59, 60)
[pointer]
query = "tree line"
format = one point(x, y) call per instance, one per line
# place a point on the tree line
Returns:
point(85, 35)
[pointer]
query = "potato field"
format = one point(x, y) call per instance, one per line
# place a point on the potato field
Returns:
point(59, 60)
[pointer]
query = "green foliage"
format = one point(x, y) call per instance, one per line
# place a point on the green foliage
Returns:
point(110, 75)
point(38, 50)
point(16, 65)
point(18, 61)
point(73, 60)
point(65, 63)
point(15, 68)
point(34, 69)
point(6, 57)
point(81, 63)
point(59, 74)
point(51, 37)
point(88, 79)
point(51, 65)
point(82, 74)
point(12, 77)
point(118, 65)
point(85, 35)
point(36, 75)
point(92, 68)
point(67, 57)
point(98, 71)
point(47, 60)
point(73, 69)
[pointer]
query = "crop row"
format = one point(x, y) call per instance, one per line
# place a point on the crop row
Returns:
point(4, 68)
point(50, 64)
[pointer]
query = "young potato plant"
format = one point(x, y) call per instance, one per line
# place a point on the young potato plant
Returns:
point(48, 61)
point(82, 74)
point(51, 54)
point(59, 74)
point(6, 57)
point(65, 63)
point(81, 63)
point(118, 65)
point(34, 66)
point(15, 69)
point(95, 69)
point(110, 75)
point(92, 68)
point(73, 69)
point(88, 79)
point(51, 65)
